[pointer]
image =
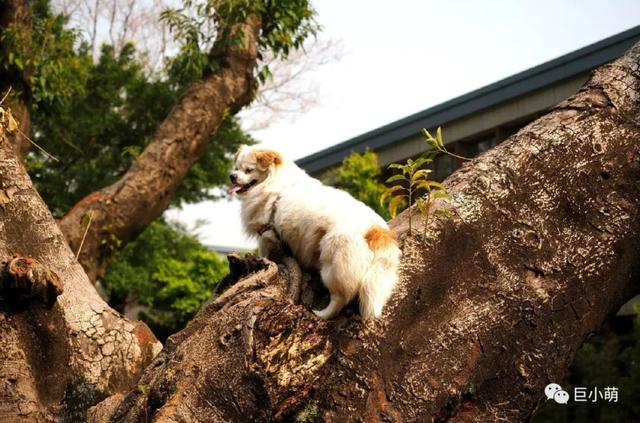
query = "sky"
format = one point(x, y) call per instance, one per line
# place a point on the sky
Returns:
point(398, 59)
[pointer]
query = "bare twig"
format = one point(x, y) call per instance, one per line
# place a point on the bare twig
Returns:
point(6, 95)
point(36, 145)
point(84, 236)
point(447, 152)
point(290, 92)
point(25, 135)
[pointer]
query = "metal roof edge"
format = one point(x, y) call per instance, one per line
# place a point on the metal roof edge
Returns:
point(545, 74)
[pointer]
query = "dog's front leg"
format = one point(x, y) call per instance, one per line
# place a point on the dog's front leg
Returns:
point(269, 246)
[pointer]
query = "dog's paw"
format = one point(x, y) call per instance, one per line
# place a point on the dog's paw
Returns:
point(322, 314)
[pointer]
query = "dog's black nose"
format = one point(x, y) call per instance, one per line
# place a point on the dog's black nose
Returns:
point(234, 178)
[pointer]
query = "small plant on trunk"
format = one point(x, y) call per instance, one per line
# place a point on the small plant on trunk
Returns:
point(412, 181)
point(438, 145)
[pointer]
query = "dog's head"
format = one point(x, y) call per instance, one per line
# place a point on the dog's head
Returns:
point(252, 166)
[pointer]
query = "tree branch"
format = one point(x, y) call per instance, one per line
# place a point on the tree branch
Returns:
point(123, 209)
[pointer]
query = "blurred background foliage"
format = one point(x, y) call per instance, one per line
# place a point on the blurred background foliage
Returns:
point(164, 277)
point(360, 175)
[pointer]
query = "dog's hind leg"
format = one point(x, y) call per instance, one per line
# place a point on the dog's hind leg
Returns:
point(335, 305)
point(340, 287)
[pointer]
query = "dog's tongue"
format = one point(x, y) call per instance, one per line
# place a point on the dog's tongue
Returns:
point(234, 189)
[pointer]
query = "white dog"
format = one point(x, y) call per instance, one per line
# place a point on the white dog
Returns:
point(325, 228)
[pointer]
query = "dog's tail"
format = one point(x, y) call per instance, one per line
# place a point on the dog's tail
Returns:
point(382, 275)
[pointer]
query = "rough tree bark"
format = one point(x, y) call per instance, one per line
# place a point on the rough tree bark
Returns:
point(57, 357)
point(491, 307)
point(17, 12)
point(125, 208)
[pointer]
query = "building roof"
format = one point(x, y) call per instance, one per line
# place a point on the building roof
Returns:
point(520, 84)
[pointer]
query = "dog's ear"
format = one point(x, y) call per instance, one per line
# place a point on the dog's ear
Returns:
point(266, 158)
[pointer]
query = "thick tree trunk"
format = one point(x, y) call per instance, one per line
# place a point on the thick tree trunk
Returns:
point(16, 12)
point(491, 307)
point(56, 357)
point(122, 210)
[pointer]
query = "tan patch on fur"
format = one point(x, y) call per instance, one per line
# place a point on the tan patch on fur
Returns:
point(266, 158)
point(379, 237)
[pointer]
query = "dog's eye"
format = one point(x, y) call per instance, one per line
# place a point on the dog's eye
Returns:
point(248, 169)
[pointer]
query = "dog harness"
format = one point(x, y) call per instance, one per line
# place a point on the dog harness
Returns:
point(270, 225)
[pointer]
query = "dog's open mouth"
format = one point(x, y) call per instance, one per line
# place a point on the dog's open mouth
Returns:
point(239, 188)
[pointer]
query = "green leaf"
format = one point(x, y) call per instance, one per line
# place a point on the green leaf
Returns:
point(423, 160)
point(422, 173)
point(439, 137)
point(394, 178)
point(388, 192)
point(431, 184)
point(394, 204)
point(427, 136)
